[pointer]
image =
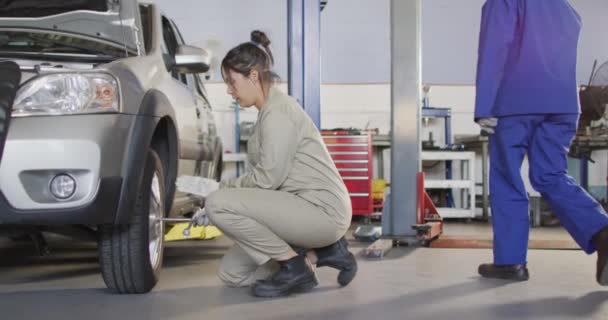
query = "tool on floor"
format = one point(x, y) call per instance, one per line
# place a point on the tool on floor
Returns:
point(176, 233)
point(184, 229)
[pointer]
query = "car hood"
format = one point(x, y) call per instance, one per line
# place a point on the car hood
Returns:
point(113, 21)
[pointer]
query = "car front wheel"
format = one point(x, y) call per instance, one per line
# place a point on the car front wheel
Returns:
point(131, 255)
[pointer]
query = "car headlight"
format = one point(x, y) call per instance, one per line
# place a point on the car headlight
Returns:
point(68, 93)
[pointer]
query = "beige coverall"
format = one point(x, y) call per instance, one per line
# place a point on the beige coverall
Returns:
point(291, 195)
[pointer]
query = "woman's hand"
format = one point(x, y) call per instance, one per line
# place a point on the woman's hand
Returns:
point(200, 218)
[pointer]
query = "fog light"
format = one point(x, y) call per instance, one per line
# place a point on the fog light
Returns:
point(63, 186)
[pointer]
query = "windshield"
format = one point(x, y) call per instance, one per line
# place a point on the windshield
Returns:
point(20, 42)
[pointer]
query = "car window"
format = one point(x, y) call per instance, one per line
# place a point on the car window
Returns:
point(170, 45)
point(180, 38)
point(200, 88)
point(191, 82)
point(144, 12)
point(194, 83)
point(169, 37)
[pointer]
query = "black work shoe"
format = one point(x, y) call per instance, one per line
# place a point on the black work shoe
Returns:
point(514, 272)
point(600, 240)
point(338, 257)
point(294, 275)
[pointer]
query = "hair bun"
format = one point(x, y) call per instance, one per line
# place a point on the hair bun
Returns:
point(260, 37)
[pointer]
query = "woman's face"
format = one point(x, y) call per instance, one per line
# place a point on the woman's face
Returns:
point(245, 90)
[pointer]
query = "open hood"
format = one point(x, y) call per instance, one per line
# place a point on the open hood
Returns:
point(114, 21)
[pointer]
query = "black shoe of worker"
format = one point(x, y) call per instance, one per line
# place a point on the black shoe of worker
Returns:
point(513, 272)
point(294, 275)
point(600, 240)
point(338, 257)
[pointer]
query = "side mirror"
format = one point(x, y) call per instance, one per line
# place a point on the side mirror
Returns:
point(190, 59)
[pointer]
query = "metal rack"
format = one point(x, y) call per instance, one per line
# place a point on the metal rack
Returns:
point(466, 183)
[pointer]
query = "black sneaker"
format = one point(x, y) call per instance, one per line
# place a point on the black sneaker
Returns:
point(513, 272)
point(294, 275)
point(600, 240)
point(338, 257)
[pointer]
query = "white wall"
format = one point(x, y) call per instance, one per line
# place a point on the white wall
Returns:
point(450, 32)
point(368, 105)
point(355, 37)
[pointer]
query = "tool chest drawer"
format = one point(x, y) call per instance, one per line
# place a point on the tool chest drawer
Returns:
point(352, 155)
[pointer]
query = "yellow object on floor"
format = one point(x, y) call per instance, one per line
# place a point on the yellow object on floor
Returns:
point(176, 232)
point(378, 187)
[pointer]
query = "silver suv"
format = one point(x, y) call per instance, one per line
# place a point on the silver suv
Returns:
point(110, 110)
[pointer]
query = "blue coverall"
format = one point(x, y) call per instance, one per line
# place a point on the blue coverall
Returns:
point(526, 77)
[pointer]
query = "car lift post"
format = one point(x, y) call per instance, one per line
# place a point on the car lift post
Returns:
point(304, 55)
point(405, 119)
point(410, 217)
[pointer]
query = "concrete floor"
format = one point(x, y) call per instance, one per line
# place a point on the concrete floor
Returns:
point(408, 284)
point(481, 230)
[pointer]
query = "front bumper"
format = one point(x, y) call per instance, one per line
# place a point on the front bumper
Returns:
point(101, 210)
point(90, 148)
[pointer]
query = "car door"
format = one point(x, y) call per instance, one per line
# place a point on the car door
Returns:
point(211, 166)
point(185, 103)
point(203, 116)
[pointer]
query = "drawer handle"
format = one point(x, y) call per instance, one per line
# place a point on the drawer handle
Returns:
point(325, 136)
point(352, 169)
point(351, 161)
point(346, 145)
point(355, 178)
point(359, 195)
point(348, 153)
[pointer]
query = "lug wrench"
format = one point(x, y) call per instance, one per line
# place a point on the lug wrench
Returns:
point(186, 231)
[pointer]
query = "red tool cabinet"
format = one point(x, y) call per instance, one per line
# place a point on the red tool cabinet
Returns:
point(352, 154)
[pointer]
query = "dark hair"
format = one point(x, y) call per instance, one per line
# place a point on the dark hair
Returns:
point(249, 56)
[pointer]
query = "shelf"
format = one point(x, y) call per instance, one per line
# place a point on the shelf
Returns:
point(447, 155)
point(448, 184)
point(465, 183)
point(456, 213)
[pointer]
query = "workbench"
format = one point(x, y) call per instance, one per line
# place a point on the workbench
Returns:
point(465, 184)
point(583, 145)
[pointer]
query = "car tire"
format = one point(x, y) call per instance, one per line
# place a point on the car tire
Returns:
point(131, 255)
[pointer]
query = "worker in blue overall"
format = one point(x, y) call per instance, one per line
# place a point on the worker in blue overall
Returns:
point(527, 101)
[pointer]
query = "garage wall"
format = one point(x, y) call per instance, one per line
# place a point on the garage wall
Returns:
point(368, 105)
point(355, 35)
point(453, 26)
